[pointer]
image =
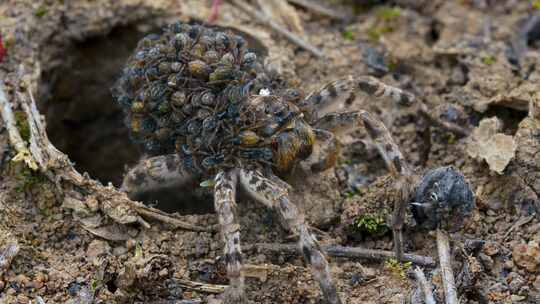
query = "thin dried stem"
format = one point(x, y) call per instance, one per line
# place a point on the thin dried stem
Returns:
point(165, 218)
point(278, 28)
point(347, 252)
point(449, 285)
point(319, 9)
point(201, 287)
point(23, 153)
point(425, 286)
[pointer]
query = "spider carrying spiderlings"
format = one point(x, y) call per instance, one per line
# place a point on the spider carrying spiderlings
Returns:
point(205, 107)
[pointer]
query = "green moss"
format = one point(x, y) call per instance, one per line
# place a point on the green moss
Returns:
point(348, 35)
point(41, 11)
point(343, 161)
point(392, 65)
point(373, 225)
point(397, 268)
point(376, 32)
point(488, 60)
point(22, 125)
point(536, 4)
point(386, 13)
point(28, 178)
point(350, 194)
point(451, 138)
point(385, 22)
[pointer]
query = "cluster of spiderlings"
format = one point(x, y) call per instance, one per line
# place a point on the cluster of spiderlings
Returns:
point(183, 91)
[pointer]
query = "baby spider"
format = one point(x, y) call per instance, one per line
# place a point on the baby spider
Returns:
point(204, 106)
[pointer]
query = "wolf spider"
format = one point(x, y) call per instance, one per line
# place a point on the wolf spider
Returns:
point(270, 130)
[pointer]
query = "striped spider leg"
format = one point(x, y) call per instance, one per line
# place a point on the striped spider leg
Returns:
point(321, 107)
point(274, 195)
point(156, 173)
point(225, 206)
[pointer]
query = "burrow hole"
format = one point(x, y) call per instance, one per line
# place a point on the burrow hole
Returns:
point(84, 122)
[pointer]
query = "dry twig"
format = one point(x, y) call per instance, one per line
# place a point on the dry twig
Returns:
point(201, 287)
point(522, 221)
point(425, 286)
point(319, 9)
point(14, 136)
point(282, 13)
point(278, 28)
point(348, 252)
point(449, 285)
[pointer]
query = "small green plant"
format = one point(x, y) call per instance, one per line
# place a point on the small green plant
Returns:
point(385, 22)
point(374, 225)
point(342, 161)
point(488, 60)
point(94, 284)
point(397, 268)
point(375, 33)
point(350, 194)
point(41, 11)
point(22, 125)
point(386, 13)
point(536, 4)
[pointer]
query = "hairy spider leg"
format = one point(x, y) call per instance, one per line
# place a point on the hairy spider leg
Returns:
point(225, 205)
point(156, 173)
point(275, 196)
point(337, 95)
point(340, 123)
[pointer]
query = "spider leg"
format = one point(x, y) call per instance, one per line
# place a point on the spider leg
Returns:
point(155, 173)
point(225, 205)
point(340, 123)
point(343, 123)
point(275, 196)
point(338, 94)
point(325, 151)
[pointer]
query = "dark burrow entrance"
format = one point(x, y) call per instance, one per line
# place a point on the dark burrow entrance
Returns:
point(84, 122)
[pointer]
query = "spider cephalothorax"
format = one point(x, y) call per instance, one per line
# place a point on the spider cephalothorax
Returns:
point(204, 106)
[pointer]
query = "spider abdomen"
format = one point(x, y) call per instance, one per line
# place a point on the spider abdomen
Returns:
point(201, 93)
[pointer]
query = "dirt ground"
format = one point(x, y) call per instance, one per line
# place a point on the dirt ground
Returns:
point(465, 60)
